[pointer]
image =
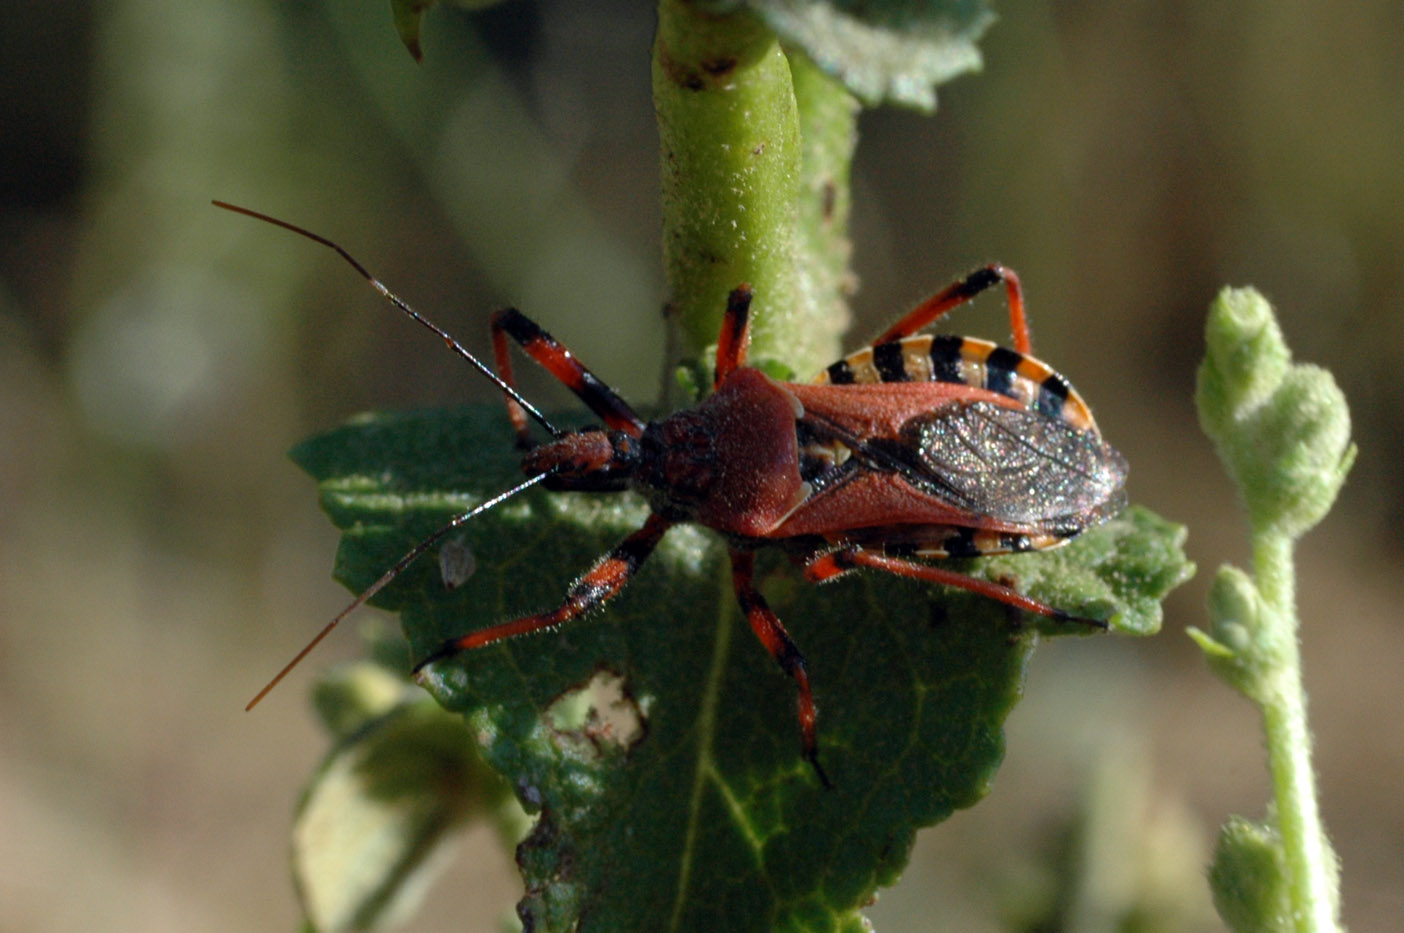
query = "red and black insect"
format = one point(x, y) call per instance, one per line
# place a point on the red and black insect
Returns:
point(916, 448)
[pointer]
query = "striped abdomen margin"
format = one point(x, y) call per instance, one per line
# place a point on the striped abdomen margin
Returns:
point(965, 361)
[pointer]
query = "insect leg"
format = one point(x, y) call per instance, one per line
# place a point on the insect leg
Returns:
point(957, 294)
point(599, 585)
point(766, 624)
point(832, 564)
point(562, 364)
point(735, 337)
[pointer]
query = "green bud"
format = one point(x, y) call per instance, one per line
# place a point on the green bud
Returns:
point(1231, 646)
point(1249, 879)
point(1282, 430)
point(1301, 439)
point(1233, 608)
point(1245, 359)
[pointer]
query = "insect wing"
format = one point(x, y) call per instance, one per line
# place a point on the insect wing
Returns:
point(1015, 465)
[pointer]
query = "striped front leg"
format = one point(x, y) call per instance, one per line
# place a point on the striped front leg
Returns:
point(561, 363)
point(601, 584)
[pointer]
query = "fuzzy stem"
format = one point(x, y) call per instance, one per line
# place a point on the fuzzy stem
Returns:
point(828, 116)
point(1310, 864)
point(1282, 430)
point(729, 130)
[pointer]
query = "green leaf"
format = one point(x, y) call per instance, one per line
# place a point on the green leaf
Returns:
point(694, 809)
point(373, 826)
point(891, 51)
point(1119, 571)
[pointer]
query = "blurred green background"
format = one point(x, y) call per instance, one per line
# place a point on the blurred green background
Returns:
point(159, 557)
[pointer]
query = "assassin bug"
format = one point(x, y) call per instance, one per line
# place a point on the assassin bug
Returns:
point(917, 447)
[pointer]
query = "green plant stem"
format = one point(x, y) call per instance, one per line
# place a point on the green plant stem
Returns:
point(728, 127)
point(1310, 865)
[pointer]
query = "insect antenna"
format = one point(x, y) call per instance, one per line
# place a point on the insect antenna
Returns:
point(400, 303)
point(456, 347)
point(389, 575)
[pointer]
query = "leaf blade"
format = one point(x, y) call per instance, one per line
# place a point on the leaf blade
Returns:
point(896, 51)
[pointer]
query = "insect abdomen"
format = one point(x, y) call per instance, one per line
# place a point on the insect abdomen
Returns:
point(966, 361)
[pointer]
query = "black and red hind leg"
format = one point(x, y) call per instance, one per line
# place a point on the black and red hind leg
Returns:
point(960, 292)
point(830, 564)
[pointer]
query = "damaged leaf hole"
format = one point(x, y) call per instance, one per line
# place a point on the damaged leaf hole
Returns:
point(602, 711)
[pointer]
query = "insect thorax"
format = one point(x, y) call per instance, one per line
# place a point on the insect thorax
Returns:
point(732, 463)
